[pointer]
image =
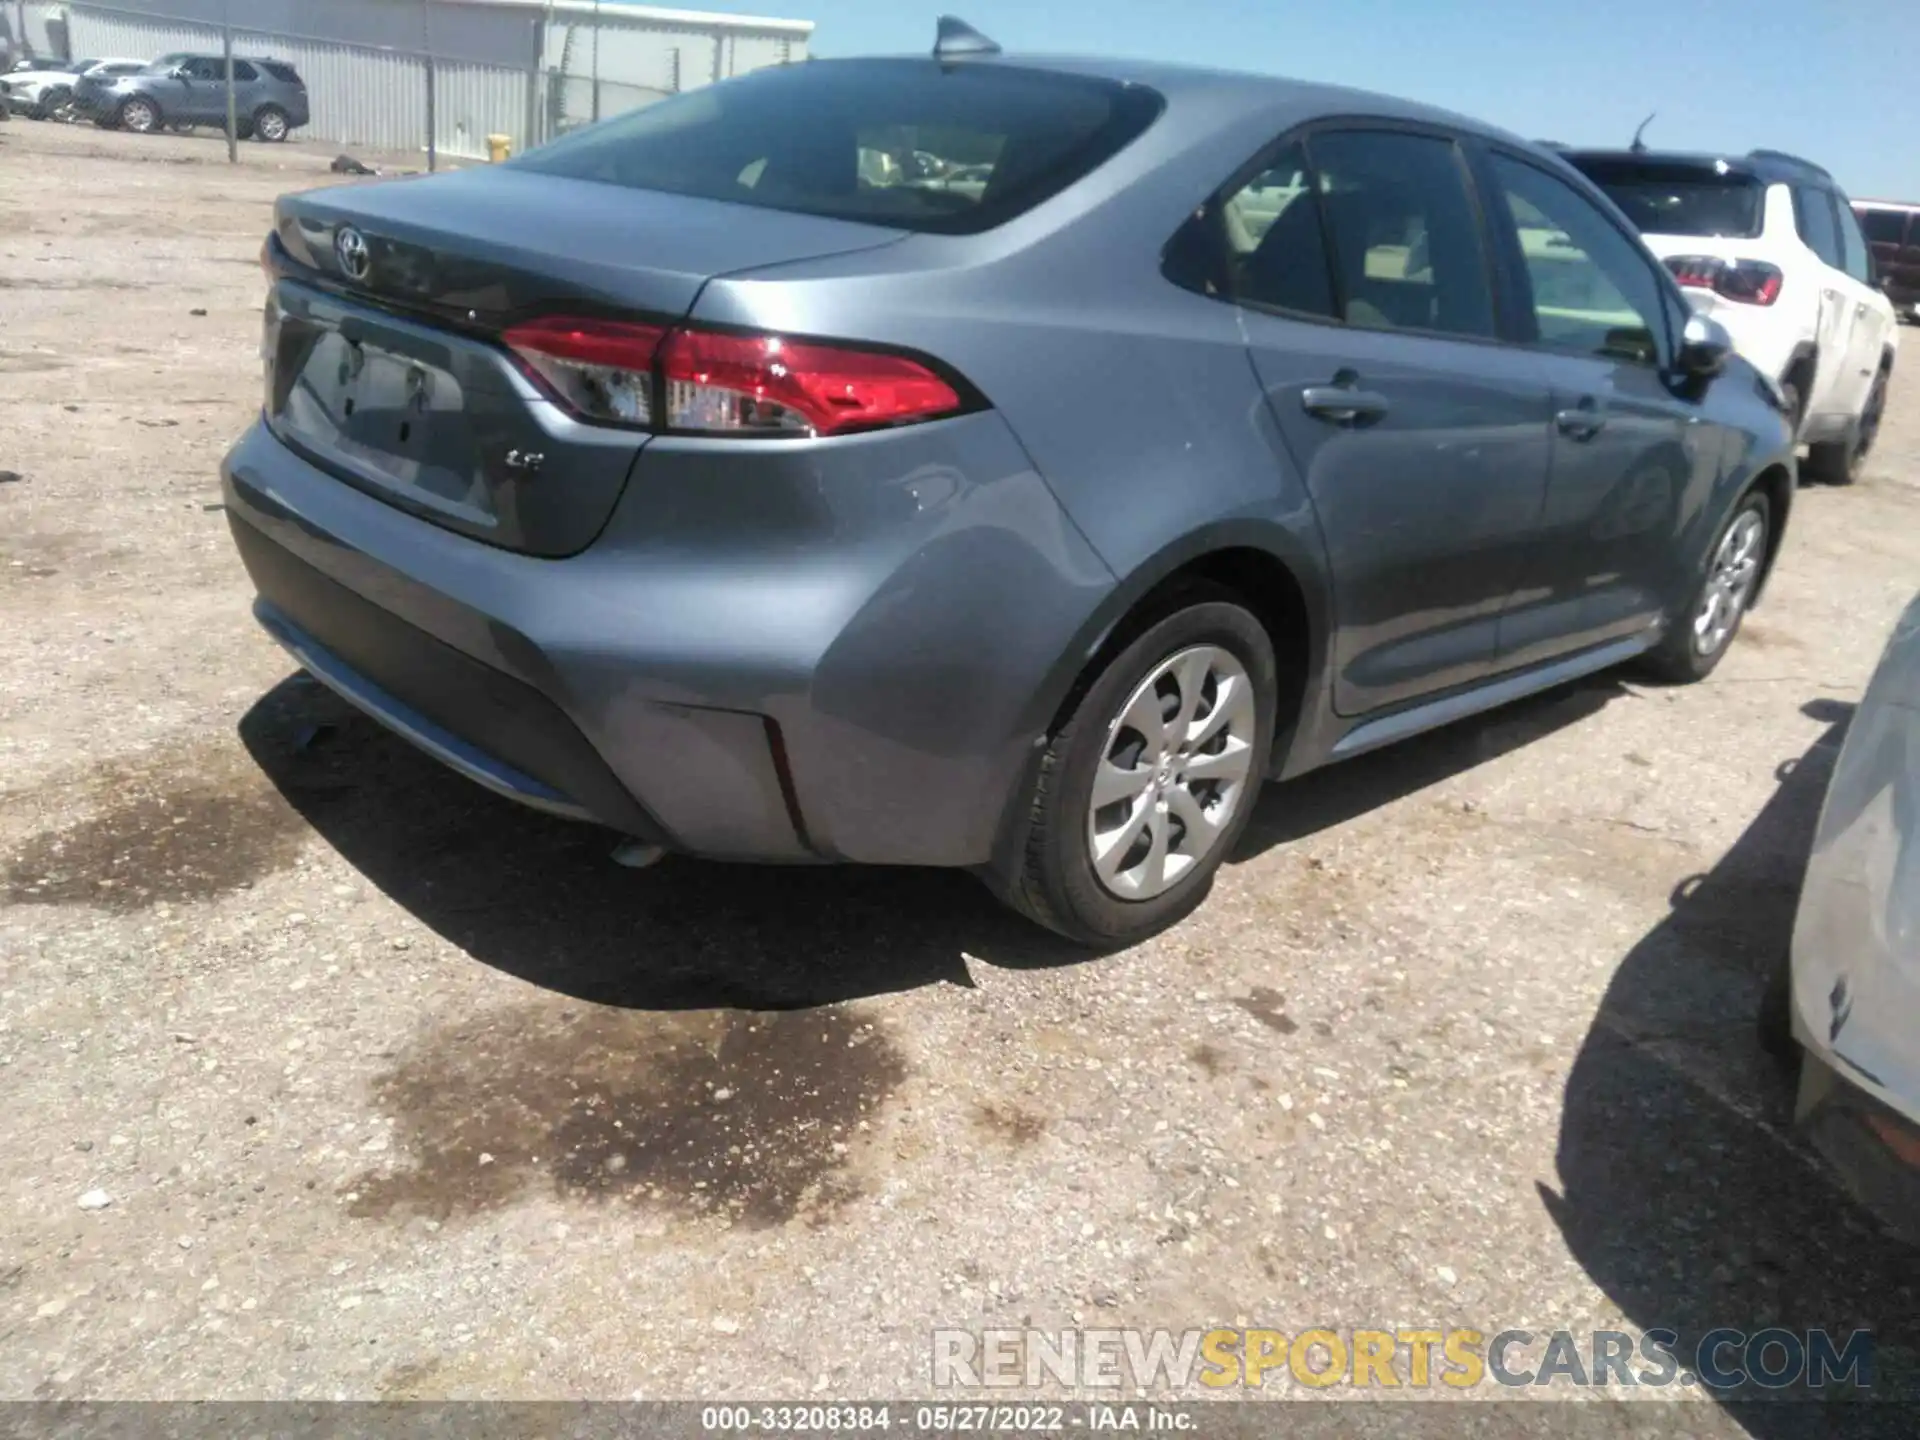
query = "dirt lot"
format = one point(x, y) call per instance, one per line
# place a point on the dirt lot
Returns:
point(398, 1091)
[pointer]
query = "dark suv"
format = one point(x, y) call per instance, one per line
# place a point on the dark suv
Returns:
point(183, 90)
point(1893, 234)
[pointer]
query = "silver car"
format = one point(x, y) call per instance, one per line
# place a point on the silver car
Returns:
point(716, 478)
point(1851, 997)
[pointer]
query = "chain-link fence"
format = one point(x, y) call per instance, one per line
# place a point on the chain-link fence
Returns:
point(445, 79)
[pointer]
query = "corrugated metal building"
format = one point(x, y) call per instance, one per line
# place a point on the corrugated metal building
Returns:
point(527, 69)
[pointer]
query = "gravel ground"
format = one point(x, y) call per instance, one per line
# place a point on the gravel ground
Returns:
point(397, 1091)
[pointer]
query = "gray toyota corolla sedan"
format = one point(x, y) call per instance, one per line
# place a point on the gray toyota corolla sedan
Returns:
point(986, 462)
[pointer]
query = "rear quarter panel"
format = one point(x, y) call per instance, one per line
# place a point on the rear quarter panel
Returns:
point(1135, 399)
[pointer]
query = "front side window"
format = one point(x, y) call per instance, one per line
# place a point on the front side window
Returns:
point(1593, 290)
point(902, 143)
point(205, 69)
point(1813, 217)
point(1405, 241)
point(1853, 247)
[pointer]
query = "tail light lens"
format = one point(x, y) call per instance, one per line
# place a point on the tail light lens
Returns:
point(711, 383)
point(600, 369)
point(1747, 282)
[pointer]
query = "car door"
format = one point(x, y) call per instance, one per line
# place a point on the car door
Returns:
point(1631, 457)
point(204, 100)
point(1360, 265)
point(1872, 313)
point(1834, 392)
point(247, 86)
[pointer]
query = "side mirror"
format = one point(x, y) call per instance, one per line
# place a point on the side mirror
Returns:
point(1705, 347)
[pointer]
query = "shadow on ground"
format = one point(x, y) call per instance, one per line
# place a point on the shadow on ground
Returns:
point(1686, 1195)
point(540, 899)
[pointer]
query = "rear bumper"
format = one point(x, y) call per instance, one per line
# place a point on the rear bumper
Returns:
point(1873, 1147)
point(838, 651)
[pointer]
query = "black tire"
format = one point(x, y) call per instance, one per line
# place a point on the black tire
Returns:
point(1838, 462)
point(51, 99)
point(1773, 1024)
point(242, 128)
point(140, 115)
point(1679, 659)
point(269, 125)
point(1054, 882)
point(1795, 396)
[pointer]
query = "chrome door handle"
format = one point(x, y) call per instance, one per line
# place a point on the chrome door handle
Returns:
point(1581, 422)
point(1342, 404)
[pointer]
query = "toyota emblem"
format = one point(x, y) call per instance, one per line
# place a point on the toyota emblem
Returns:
point(355, 258)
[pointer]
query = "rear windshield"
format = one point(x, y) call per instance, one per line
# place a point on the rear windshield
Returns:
point(901, 143)
point(1669, 199)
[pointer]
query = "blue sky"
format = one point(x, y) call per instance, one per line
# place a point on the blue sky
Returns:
point(1837, 81)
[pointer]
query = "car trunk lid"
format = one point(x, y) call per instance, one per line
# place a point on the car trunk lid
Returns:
point(382, 349)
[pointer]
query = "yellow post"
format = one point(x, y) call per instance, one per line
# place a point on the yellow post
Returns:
point(499, 147)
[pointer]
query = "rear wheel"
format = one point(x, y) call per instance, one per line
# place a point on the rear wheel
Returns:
point(1142, 794)
point(270, 124)
point(1838, 462)
point(139, 115)
point(1700, 635)
point(51, 99)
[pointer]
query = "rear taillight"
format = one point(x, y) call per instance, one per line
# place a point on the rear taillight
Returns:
point(706, 382)
point(600, 369)
point(764, 384)
point(1748, 282)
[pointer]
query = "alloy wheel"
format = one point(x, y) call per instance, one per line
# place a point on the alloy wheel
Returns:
point(271, 125)
point(1174, 769)
point(1736, 566)
point(137, 116)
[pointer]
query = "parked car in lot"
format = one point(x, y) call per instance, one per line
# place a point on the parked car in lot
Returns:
point(181, 90)
point(693, 476)
point(1767, 244)
point(1892, 229)
point(40, 90)
point(1847, 1007)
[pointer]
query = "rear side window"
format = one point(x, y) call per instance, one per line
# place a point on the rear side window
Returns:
point(1404, 236)
point(285, 74)
point(241, 71)
point(1884, 227)
point(902, 143)
point(1813, 217)
point(1665, 198)
point(1275, 252)
point(1853, 247)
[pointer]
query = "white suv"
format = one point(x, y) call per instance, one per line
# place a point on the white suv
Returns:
point(1768, 245)
point(39, 88)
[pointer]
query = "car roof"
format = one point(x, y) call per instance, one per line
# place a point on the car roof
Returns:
point(1293, 101)
point(1770, 167)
